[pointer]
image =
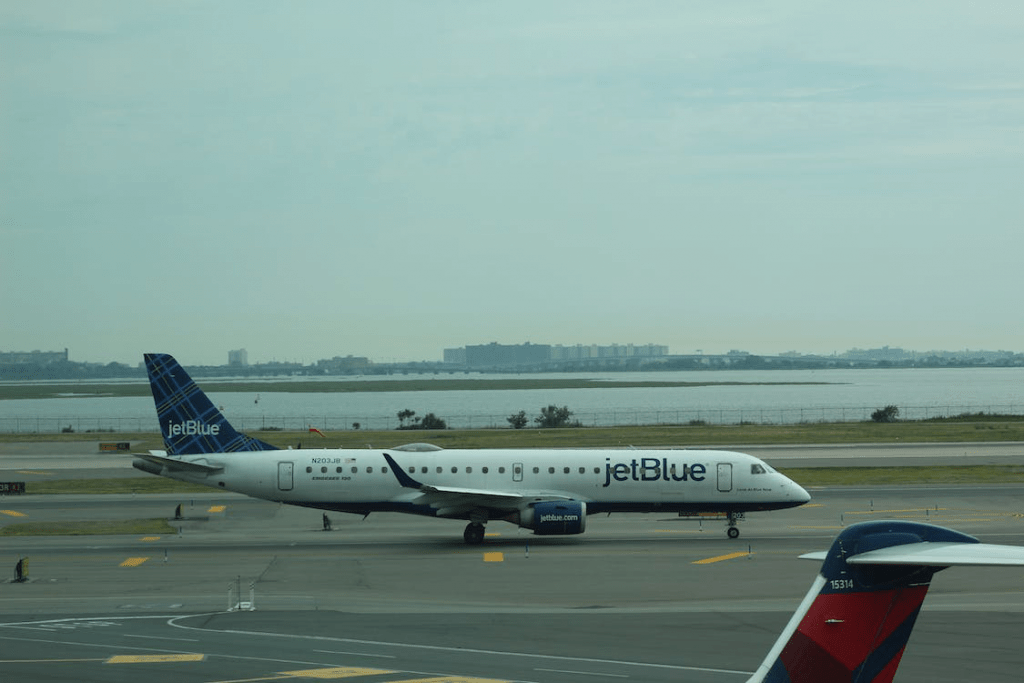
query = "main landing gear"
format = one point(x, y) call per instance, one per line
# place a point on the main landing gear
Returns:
point(732, 530)
point(474, 533)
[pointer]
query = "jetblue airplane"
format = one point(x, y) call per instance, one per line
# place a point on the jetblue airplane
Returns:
point(855, 622)
point(548, 491)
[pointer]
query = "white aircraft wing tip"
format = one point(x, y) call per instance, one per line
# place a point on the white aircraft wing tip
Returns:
point(944, 555)
point(818, 555)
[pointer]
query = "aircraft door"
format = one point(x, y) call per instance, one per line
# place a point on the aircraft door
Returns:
point(517, 471)
point(284, 475)
point(725, 477)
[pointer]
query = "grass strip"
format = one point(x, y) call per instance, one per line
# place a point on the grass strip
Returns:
point(86, 528)
point(139, 485)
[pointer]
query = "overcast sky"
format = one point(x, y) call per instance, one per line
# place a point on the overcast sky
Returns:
point(387, 179)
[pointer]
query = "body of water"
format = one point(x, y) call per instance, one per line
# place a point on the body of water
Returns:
point(843, 395)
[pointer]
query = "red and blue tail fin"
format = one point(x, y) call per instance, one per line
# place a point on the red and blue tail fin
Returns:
point(855, 621)
point(190, 423)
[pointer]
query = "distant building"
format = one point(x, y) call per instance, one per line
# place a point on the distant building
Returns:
point(577, 352)
point(33, 357)
point(455, 356)
point(343, 366)
point(238, 359)
point(885, 353)
point(495, 355)
point(593, 351)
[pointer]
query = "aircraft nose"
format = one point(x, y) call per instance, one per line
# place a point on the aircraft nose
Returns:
point(797, 492)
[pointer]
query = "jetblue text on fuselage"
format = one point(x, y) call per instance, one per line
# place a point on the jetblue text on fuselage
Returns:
point(192, 428)
point(651, 469)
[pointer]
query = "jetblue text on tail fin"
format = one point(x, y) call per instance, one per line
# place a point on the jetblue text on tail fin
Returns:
point(190, 423)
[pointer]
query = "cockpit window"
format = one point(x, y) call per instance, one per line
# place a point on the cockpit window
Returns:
point(756, 469)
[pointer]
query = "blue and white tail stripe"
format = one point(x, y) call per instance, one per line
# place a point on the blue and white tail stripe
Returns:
point(189, 422)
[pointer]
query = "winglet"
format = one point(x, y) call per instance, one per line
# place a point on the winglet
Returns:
point(404, 479)
point(855, 621)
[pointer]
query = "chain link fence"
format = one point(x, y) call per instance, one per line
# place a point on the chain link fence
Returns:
point(56, 425)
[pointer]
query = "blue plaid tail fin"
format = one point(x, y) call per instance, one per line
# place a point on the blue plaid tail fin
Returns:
point(189, 422)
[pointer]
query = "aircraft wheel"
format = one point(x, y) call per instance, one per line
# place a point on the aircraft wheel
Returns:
point(733, 532)
point(474, 534)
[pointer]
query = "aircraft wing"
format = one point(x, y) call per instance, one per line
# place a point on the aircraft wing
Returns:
point(176, 465)
point(937, 555)
point(453, 498)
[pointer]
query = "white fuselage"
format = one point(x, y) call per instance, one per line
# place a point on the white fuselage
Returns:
point(606, 480)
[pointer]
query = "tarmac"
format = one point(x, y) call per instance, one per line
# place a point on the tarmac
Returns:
point(250, 590)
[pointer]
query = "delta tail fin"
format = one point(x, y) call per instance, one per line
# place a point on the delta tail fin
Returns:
point(855, 621)
point(189, 422)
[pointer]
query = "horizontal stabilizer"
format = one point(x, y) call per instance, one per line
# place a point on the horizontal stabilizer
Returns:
point(176, 465)
point(944, 555)
point(927, 554)
point(819, 556)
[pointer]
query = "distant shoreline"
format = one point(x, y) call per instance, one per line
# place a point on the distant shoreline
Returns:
point(72, 390)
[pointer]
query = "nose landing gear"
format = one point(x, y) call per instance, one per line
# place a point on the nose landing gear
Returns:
point(732, 530)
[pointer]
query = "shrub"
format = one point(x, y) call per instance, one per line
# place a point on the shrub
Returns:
point(553, 416)
point(519, 420)
point(886, 414)
point(428, 421)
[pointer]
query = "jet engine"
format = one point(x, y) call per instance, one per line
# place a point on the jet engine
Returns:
point(552, 518)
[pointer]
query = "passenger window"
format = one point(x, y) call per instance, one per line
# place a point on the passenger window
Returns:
point(412, 470)
point(323, 470)
point(354, 469)
point(455, 470)
point(338, 470)
point(439, 470)
point(501, 470)
point(565, 470)
point(583, 470)
point(485, 470)
point(469, 470)
point(423, 471)
point(597, 470)
point(383, 470)
point(536, 470)
point(551, 470)
point(309, 470)
point(369, 470)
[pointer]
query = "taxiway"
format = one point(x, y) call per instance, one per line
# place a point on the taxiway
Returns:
point(396, 598)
